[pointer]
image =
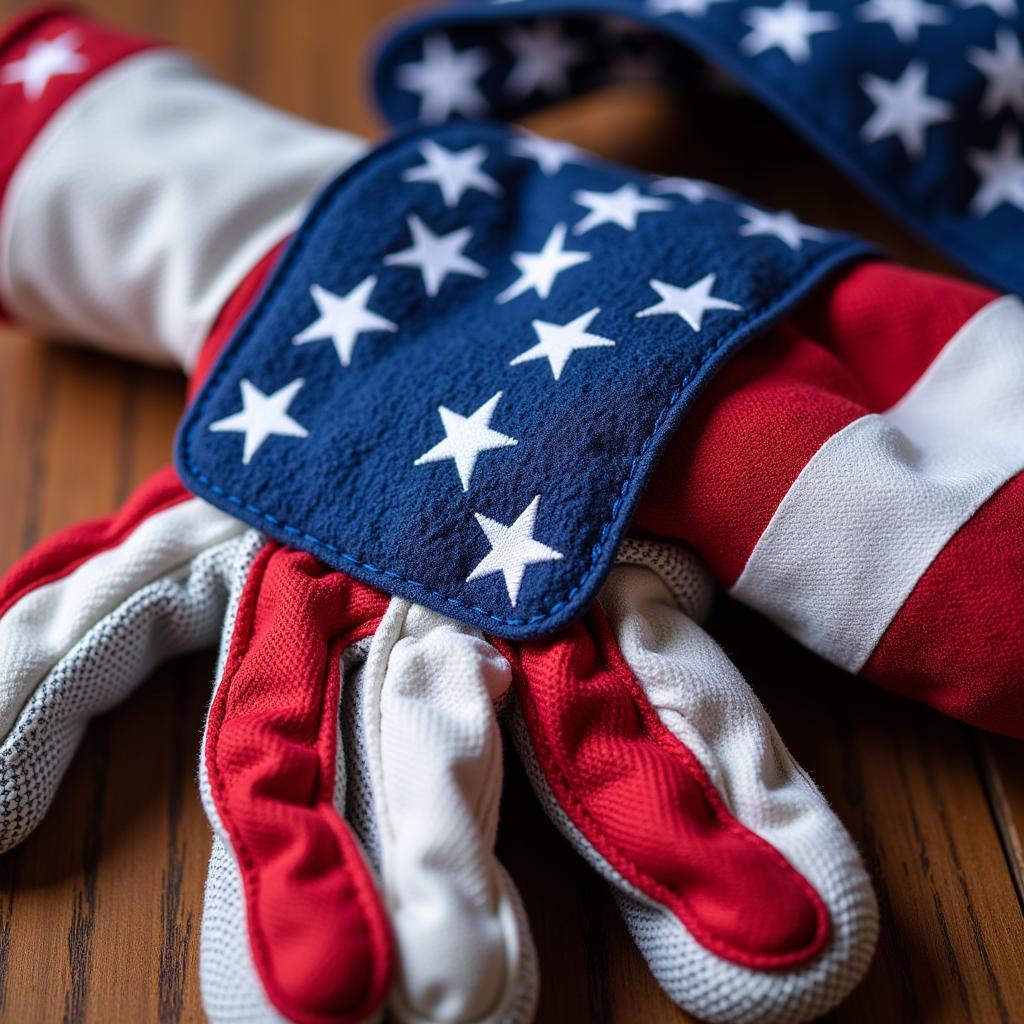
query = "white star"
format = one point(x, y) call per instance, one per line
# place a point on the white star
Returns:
point(691, 189)
point(788, 26)
point(446, 80)
point(550, 154)
point(455, 173)
point(435, 256)
point(343, 318)
point(1002, 174)
point(543, 57)
point(559, 341)
point(903, 108)
point(465, 438)
point(692, 8)
point(45, 59)
point(904, 17)
point(1006, 8)
point(621, 206)
point(1004, 69)
point(782, 225)
point(512, 550)
point(262, 416)
point(690, 303)
point(538, 270)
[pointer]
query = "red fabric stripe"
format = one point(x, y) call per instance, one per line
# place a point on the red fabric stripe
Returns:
point(23, 120)
point(645, 803)
point(231, 315)
point(58, 556)
point(958, 641)
point(748, 437)
point(856, 348)
point(887, 324)
point(318, 933)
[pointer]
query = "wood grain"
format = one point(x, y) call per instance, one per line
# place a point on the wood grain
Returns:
point(100, 908)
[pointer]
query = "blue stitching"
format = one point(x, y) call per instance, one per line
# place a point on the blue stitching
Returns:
point(826, 261)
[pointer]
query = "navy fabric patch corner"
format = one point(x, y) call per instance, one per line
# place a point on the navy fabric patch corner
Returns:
point(470, 357)
point(921, 105)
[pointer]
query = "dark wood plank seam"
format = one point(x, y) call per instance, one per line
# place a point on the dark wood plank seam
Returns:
point(39, 424)
point(972, 915)
point(891, 937)
point(128, 431)
point(82, 929)
point(176, 925)
point(11, 864)
point(1013, 847)
point(925, 864)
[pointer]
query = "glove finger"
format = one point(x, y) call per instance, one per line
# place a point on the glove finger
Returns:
point(86, 616)
point(652, 755)
point(293, 927)
point(425, 782)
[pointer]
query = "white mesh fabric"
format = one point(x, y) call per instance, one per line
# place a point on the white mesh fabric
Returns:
point(426, 797)
point(46, 621)
point(701, 698)
point(679, 568)
point(175, 614)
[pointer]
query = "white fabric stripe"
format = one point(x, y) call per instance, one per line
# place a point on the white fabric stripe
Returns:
point(45, 624)
point(881, 498)
point(147, 198)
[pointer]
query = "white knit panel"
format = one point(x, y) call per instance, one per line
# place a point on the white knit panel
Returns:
point(178, 613)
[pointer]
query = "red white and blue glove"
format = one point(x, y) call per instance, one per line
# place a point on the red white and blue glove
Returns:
point(351, 759)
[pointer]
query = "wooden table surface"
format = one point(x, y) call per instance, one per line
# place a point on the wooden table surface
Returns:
point(100, 908)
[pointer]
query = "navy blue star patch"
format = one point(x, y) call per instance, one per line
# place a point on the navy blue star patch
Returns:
point(920, 102)
point(470, 357)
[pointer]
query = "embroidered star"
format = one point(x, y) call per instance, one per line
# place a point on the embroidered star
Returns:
point(1005, 8)
point(436, 256)
point(343, 318)
point(446, 80)
point(45, 59)
point(538, 270)
point(904, 17)
point(513, 548)
point(690, 303)
point(542, 59)
point(550, 154)
point(691, 189)
point(692, 8)
point(782, 225)
point(454, 173)
point(621, 206)
point(559, 341)
point(262, 416)
point(465, 438)
point(1002, 174)
point(1003, 67)
point(788, 27)
point(903, 108)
